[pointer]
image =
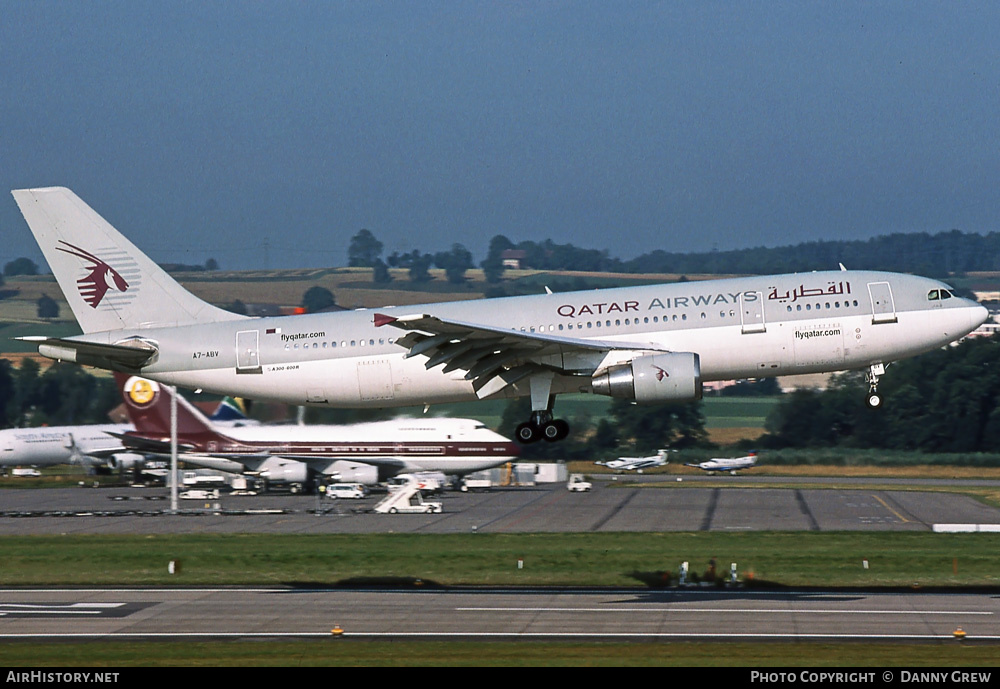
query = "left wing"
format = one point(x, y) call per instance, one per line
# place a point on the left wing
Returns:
point(493, 357)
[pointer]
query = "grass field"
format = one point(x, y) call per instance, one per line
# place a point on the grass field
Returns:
point(639, 560)
point(621, 560)
point(352, 653)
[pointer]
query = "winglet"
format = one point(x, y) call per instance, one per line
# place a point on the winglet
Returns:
point(381, 319)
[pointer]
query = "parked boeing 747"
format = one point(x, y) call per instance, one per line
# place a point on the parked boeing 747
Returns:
point(654, 343)
point(297, 455)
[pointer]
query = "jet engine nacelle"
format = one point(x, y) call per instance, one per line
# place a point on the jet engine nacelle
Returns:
point(669, 377)
point(126, 461)
point(355, 472)
point(277, 470)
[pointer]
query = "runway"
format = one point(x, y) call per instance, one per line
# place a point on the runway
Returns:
point(496, 614)
point(613, 505)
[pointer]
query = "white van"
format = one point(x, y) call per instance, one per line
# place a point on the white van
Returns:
point(349, 491)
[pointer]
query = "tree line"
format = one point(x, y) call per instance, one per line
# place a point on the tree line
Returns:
point(943, 401)
point(65, 394)
point(933, 255)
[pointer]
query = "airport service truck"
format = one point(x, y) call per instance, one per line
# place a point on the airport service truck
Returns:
point(407, 498)
point(578, 484)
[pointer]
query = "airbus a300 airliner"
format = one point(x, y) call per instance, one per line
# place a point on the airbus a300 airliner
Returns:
point(655, 343)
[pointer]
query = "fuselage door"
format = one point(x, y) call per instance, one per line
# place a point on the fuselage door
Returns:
point(883, 308)
point(752, 312)
point(248, 352)
point(375, 380)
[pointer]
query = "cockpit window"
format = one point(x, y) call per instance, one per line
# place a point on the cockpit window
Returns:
point(933, 295)
point(945, 294)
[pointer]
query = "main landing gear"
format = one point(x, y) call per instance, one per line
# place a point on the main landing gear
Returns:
point(542, 425)
point(874, 371)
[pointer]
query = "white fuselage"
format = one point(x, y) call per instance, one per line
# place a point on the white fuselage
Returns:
point(451, 446)
point(49, 445)
point(634, 463)
point(740, 328)
point(727, 464)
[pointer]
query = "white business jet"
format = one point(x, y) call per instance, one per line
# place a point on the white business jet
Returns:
point(731, 465)
point(637, 463)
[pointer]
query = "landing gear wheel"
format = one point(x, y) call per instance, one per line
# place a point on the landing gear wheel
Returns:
point(874, 401)
point(555, 430)
point(527, 433)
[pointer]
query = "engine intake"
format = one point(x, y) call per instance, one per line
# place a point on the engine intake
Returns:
point(279, 470)
point(671, 377)
point(125, 461)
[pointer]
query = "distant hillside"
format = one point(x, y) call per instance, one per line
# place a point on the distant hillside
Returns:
point(937, 255)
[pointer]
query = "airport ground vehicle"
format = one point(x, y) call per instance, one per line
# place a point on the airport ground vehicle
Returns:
point(578, 484)
point(406, 498)
point(424, 481)
point(475, 482)
point(346, 491)
point(199, 494)
point(25, 472)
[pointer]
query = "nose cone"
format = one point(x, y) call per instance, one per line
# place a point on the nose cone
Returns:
point(978, 316)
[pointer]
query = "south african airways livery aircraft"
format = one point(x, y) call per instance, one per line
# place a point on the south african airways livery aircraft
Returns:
point(655, 343)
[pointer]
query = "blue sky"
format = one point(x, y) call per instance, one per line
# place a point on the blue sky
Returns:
point(266, 134)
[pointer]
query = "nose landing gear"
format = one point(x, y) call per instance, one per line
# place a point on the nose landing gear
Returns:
point(874, 371)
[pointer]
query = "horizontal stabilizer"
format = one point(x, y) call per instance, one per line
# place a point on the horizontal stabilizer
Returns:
point(160, 447)
point(130, 355)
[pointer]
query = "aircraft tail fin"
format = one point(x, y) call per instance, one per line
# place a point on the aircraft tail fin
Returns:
point(108, 282)
point(147, 404)
point(231, 409)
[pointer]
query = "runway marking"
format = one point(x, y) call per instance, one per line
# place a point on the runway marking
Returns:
point(886, 505)
point(496, 635)
point(772, 611)
point(63, 609)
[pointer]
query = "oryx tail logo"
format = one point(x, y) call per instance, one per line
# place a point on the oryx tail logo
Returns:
point(660, 373)
point(101, 278)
